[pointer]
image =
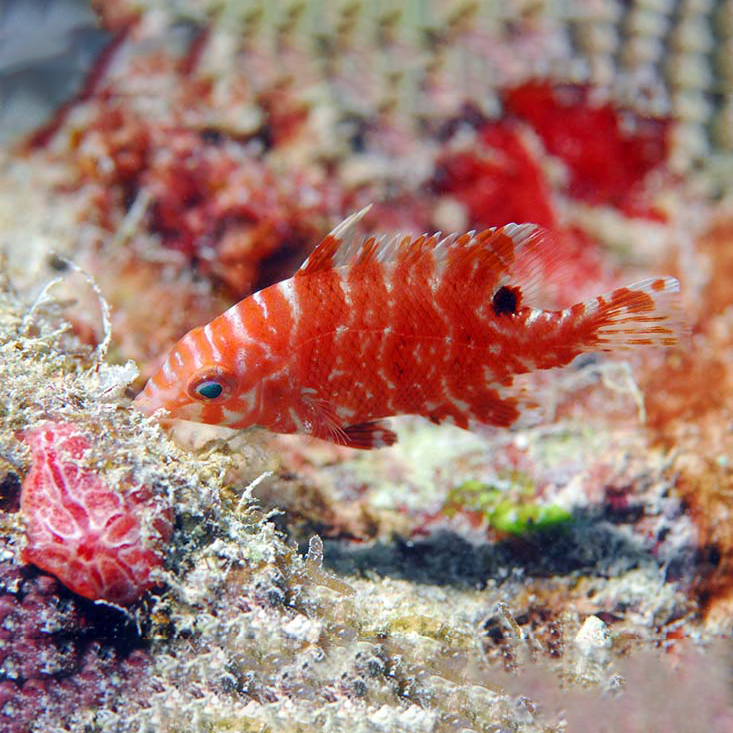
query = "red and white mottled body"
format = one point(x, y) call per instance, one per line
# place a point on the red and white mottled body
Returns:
point(380, 327)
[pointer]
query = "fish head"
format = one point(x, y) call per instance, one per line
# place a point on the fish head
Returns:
point(194, 384)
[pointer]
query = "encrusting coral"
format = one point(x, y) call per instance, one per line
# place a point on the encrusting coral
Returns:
point(59, 653)
point(85, 532)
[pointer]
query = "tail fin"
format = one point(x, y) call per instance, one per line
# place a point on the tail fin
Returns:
point(645, 313)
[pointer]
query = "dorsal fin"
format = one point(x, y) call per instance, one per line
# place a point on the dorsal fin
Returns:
point(526, 256)
point(541, 266)
point(331, 251)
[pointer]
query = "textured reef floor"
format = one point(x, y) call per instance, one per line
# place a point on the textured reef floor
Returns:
point(573, 576)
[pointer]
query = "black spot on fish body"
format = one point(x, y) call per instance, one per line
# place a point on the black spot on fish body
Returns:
point(506, 300)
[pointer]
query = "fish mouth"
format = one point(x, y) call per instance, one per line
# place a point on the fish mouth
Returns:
point(160, 407)
point(146, 404)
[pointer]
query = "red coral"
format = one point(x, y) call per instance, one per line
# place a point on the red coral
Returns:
point(499, 181)
point(608, 151)
point(211, 197)
point(90, 535)
point(609, 154)
point(225, 209)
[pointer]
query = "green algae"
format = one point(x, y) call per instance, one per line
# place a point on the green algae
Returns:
point(510, 508)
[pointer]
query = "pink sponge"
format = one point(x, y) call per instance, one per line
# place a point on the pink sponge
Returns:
point(100, 541)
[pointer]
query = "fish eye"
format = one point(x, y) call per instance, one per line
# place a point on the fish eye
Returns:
point(506, 300)
point(209, 390)
point(211, 384)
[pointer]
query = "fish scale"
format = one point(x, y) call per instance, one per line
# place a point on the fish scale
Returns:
point(366, 329)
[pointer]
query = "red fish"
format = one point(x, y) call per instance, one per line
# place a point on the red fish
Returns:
point(370, 328)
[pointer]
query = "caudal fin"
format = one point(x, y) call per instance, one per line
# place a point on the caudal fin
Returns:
point(647, 313)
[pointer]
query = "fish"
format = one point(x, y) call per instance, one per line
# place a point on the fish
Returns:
point(373, 327)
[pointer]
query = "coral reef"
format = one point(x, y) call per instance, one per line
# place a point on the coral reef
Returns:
point(427, 587)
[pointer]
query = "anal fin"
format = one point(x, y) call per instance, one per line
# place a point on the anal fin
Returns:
point(368, 435)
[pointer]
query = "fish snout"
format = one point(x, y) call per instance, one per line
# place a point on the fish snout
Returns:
point(147, 402)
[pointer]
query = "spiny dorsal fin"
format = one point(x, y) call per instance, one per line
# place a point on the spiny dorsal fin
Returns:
point(541, 268)
point(522, 255)
point(342, 237)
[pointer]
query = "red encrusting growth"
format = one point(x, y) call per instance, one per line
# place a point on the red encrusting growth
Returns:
point(502, 175)
point(210, 197)
point(608, 151)
point(100, 541)
point(499, 180)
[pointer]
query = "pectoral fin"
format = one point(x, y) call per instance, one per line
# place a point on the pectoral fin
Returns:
point(324, 422)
